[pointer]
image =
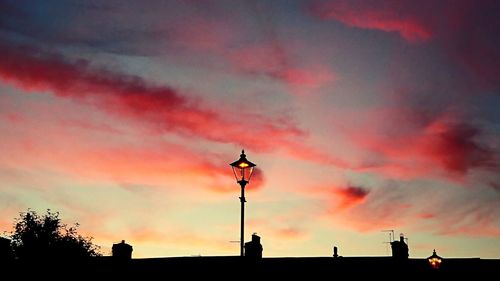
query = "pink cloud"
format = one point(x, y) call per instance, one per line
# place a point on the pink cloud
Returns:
point(350, 196)
point(144, 234)
point(444, 146)
point(271, 59)
point(98, 154)
point(363, 209)
point(368, 210)
point(162, 108)
point(427, 215)
point(393, 207)
point(463, 30)
point(13, 117)
point(479, 219)
point(119, 163)
point(290, 233)
point(266, 57)
point(263, 58)
point(308, 76)
point(388, 16)
point(305, 152)
point(454, 146)
point(133, 97)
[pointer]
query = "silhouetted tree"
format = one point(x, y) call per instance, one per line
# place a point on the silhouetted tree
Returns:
point(42, 237)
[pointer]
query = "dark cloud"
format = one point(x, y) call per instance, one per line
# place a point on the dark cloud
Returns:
point(351, 195)
point(456, 147)
point(418, 146)
point(495, 186)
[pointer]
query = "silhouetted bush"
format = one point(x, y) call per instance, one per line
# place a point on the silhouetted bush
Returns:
point(45, 237)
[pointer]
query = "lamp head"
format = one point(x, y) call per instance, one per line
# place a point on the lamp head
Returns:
point(242, 169)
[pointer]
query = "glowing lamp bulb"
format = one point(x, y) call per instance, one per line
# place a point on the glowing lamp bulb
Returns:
point(435, 260)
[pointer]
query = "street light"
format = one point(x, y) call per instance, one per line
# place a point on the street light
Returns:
point(435, 260)
point(242, 169)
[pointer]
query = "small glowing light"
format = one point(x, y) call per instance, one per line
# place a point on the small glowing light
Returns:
point(435, 262)
point(243, 165)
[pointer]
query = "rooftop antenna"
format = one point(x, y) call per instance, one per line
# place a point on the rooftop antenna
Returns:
point(391, 239)
point(391, 234)
point(386, 247)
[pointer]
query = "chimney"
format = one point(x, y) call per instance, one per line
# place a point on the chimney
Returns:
point(400, 248)
point(253, 249)
point(255, 238)
point(122, 251)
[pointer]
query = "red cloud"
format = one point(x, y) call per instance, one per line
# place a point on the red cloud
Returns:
point(133, 97)
point(454, 147)
point(272, 60)
point(350, 196)
point(445, 146)
point(157, 165)
point(389, 16)
point(98, 152)
point(365, 209)
point(340, 198)
point(165, 109)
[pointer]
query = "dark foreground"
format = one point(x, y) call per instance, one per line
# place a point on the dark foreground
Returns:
point(231, 268)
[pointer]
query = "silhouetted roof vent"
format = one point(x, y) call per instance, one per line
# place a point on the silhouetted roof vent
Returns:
point(400, 248)
point(253, 249)
point(122, 251)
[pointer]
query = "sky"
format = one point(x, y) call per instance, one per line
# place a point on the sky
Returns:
point(361, 116)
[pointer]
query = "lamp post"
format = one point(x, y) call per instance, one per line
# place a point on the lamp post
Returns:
point(435, 260)
point(242, 169)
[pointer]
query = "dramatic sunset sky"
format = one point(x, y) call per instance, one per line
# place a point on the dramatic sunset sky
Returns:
point(361, 116)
